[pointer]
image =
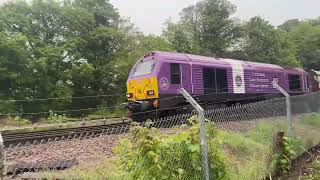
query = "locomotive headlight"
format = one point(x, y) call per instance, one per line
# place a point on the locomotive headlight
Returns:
point(129, 95)
point(150, 93)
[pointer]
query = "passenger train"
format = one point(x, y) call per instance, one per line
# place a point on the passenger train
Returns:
point(155, 80)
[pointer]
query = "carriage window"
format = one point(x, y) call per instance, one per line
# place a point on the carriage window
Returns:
point(209, 80)
point(175, 73)
point(294, 83)
point(215, 80)
point(222, 80)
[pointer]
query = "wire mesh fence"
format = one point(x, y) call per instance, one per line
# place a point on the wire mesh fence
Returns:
point(240, 144)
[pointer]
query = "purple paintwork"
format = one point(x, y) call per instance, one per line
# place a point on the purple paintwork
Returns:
point(257, 76)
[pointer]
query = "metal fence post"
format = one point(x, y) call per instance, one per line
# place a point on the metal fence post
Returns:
point(288, 104)
point(2, 158)
point(203, 136)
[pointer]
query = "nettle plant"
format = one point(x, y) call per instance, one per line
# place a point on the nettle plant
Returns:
point(150, 154)
point(285, 157)
point(56, 118)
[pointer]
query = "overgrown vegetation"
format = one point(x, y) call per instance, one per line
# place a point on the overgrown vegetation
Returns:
point(247, 155)
point(150, 155)
point(157, 153)
point(14, 121)
point(307, 128)
point(314, 170)
point(311, 119)
point(250, 154)
point(286, 155)
point(56, 118)
point(104, 169)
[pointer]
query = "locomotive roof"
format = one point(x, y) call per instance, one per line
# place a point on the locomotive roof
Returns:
point(219, 61)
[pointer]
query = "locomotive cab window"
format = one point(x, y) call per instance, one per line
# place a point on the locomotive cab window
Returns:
point(175, 73)
point(294, 83)
point(144, 68)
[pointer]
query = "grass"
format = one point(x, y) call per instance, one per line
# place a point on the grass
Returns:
point(107, 113)
point(250, 154)
point(307, 128)
point(53, 118)
point(13, 121)
point(93, 170)
point(243, 154)
point(311, 119)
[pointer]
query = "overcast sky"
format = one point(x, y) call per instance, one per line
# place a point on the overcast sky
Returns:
point(149, 15)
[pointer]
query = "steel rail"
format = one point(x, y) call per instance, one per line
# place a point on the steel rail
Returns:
point(38, 137)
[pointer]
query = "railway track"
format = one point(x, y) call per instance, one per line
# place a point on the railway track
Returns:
point(42, 136)
point(38, 137)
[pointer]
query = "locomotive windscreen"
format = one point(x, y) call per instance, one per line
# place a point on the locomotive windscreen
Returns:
point(144, 68)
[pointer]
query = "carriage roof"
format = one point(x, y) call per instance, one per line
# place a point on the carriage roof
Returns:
point(203, 60)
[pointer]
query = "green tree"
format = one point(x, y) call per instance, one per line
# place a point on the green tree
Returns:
point(57, 50)
point(306, 38)
point(262, 42)
point(205, 28)
point(289, 25)
point(64, 49)
point(181, 39)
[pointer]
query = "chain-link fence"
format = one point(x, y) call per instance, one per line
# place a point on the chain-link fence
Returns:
point(240, 144)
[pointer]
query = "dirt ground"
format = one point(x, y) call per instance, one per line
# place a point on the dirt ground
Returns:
point(301, 168)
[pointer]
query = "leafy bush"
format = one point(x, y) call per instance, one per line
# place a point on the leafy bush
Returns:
point(285, 157)
point(150, 155)
point(8, 107)
point(20, 121)
point(56, 118)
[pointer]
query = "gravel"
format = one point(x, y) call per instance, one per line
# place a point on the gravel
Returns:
point(73, 149)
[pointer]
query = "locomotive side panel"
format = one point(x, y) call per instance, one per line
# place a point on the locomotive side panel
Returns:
point(173, 76)
point(260, 81)
point(197, 79)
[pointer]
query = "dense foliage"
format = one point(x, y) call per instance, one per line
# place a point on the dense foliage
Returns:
point(76, 48)
point(284, 159)
point(148, 154)
point(66, 49)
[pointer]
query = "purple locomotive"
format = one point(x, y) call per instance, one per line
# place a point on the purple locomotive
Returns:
point(154, 82)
